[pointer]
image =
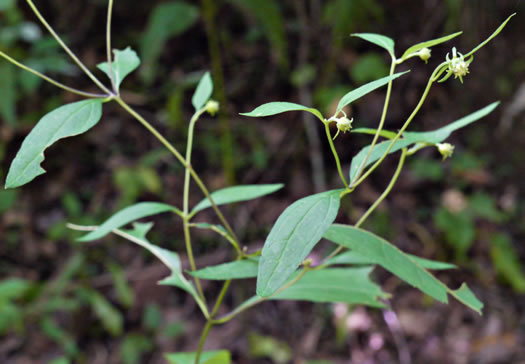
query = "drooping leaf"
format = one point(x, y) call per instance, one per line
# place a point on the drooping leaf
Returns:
point(354, 257)
point(506, 261)
point(278, 107)
point(270, 15)
point(170, 259)
point(202, 92)
point(409, 138)
point(207, 357)
point(66, 121)
point(365, 89)
point(127, 215)
point(347, 285)
point(167, 20)
point(124, 62)
point(246, 268)
point(379, 40)
point(395, 261)
point(13, 288)
point(297, 230)
point(430, 43)
point(237, 194)
point(496, 32)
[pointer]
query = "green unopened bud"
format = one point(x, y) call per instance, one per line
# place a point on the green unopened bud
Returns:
point(344, 124)
point(446, 149)
point(212, 107)
point(424, 54)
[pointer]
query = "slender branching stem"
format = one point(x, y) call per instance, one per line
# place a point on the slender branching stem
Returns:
point(50, 80)
point(334, 152)
point(66, 48)
point(202, 340)
point(220, 298)
point(381, 122)
point(372, 208)
point(185, 203)
point(108, 47)
point(181, 159)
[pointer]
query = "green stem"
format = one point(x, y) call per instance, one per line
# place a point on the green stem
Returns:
point(405, 126)
point(66, 48)
point(108, 46)
point(50, 80)
point(336, 156)
point(202, 340)
point(381, 122)
point(372, 208)
point(185, 203)
point(181, 159)
point(220, 298)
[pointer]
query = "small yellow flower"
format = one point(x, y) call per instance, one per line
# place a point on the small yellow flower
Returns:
point(457, 65)
point(343, 123)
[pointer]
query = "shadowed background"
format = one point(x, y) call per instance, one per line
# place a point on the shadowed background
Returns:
point(99, 303)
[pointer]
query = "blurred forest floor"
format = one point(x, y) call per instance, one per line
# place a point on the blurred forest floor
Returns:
point(99, 303)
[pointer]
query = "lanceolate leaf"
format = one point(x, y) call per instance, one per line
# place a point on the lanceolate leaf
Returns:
point(295, 233)
point(347, 285)
point(278, 107)
point(125, 62)
point(207, 357)
point(354, 257)
point(409, 138)
point(428, 44)
point(246, 268)
point(379, 40)
point(439, 135)
point(203, 92)
point(394, 260)
point(127, 215)
point(365, 89)
point(66, 121)
point(236, 194)
point(496, 32)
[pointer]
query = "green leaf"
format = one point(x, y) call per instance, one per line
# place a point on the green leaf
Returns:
point(124, 62)
point(270, 15)
point(377, 153)
point(202, 92)
point(13, 288)
point(397, 262)
point(506, 261)
point(347, 285)
point(66, 121)
point(167, 20)
point(365, 89)
point(500, 28)
point(379, 40)
point(127, 215)
point(430, 43)
point(384, 133)
point(233, 270)
point(170, 259)
point(278, 107)
point(109, 315)
point(293, 236)
point(439, 135)
point(237, 194)
point(207, 357)
point(354, 257)
point(409, 138)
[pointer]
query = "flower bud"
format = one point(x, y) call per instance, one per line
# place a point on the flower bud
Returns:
point(446, 149)
point(212, 107)
point(424, 54)
point(344, 124)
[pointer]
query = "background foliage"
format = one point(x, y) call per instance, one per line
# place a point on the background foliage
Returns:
point(61, 302)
